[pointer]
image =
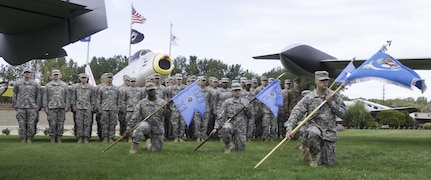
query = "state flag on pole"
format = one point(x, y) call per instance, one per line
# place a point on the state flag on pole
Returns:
point(272, 96)
point(189, 100)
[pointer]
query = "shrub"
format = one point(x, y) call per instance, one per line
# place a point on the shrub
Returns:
point(6, 131)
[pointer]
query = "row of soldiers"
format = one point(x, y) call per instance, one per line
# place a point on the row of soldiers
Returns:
point(111, 104)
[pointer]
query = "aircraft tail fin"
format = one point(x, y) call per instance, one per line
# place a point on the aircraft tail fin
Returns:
point(269, 56)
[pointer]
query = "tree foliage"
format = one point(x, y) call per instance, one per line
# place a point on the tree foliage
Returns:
point(393, 118)
point(358, 117)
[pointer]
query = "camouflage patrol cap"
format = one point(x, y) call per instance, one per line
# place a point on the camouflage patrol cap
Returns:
point(224, 80)
point(321, 75)
point(132, 79)
point(235, 81)
point(305, 92)
point(215, 80)
point(236, 86)
point(243, 79)
point(297, 80)
point(150, 86)
point(178, 76)
point(247, 82)
point(108, 75)
point(56, 71)
point(27, 69)
point(83, 75)
point(263, 78)
point(254, 80)
point(126, 77)
point(156, 76)
point(287, 81)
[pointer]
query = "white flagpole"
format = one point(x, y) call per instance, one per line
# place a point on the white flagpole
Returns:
point(170, 40)
point(130, 44)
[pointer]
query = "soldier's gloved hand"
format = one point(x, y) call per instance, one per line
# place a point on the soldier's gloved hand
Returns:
point(289, 134)
point(213, 132)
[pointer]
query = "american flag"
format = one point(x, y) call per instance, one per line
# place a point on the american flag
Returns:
point(137, 18)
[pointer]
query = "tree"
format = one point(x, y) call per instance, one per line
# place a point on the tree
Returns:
point(358, 116)
point(391, 117)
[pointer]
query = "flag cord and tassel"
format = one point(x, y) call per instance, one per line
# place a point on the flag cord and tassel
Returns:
point(244, 108)
point(137, 125)
point(297, 128)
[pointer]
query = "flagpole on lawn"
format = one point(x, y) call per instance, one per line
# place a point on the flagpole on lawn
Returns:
point(137, 125)
point(244, 108)
point(294, 131)
point(170, 39)
point(130, 30)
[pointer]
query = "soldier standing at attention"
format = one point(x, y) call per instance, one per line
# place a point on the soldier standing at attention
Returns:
point(26, 100)
point(177, 121)
point(132, 96)
point(236, 129)
point(56, 104)
point(83, 104)
point(121, 112)
point(320, 135)
point(108, 102)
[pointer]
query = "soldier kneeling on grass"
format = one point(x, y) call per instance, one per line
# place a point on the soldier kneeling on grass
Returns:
point(153, 127)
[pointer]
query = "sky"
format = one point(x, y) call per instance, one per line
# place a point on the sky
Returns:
point(235, 31)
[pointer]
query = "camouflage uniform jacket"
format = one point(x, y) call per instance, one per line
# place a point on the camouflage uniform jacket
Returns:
point(229, 108)
point(109, 98)
point(172, 91)
point(27, 94)
point(83, 96)
point(131, 97)
point(56, 95)
point(144, 108)
point(324, 118)
point(294, 97)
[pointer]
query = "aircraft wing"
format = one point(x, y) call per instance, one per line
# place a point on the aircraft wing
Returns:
point(304, 60)
point(412, 63)
point(38, 29)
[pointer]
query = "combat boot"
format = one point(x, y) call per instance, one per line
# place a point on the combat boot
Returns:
point(313, 161)
point(23, 140)
point(133, 148)
point(105, 139)
point(180, 139)
point(29, 139)
point(80, 139)
point(175, 139)
point(227, 148)
point(129, 139)
point(86, 140)
point(306, 156)
point(148, 144)
point(52, 139)
point(58, 139)
point(110, 140)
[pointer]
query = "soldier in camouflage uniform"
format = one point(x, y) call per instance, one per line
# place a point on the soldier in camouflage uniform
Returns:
point(153, 126)
point(26, 100)
point(177, 122)
point(249, 95)
point(99, 126)
point(236, 129)
point(294, 94)
point(258, 130)
point(283, 112)
point(122, 112)
point(83, 104)
point(223, 93)
point(201, 122)
point(320, 136)
point(108, 104)
point(56, 103)
point(213, 88)
point(131, 97)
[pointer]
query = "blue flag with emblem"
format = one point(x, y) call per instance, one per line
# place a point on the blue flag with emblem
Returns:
point(189, 100)
point(345, 73)
point(272, 96)
point(384, 67)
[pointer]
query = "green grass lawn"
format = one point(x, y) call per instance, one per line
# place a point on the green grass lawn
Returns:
point(361, 154)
